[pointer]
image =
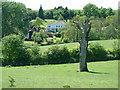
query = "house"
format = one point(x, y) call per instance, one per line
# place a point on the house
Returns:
point(54, 26)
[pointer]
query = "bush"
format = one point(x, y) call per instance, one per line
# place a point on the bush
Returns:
point(57, 55)
point(116, 50)
point(74, 54)
point(58, 41)
point(14, 52)
point(65, 40)
point(39, 37)
point(50, 41)
point(35, 56)
point(96, 52)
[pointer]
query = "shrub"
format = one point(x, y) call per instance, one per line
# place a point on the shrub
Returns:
point(35, 56)
point(74, 54)
point(96, 52)
point(13, 50)
point(65, 40)
point(58, 41)
point(57, 55)
point(50, 41)
point(116, 50)
point(39, 37)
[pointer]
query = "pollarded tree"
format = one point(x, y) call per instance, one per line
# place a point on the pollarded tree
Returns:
point(84, 44)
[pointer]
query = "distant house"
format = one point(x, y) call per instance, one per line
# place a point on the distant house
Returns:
point(54, 26)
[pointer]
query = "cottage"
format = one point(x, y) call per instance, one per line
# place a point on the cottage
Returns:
point(54, 26)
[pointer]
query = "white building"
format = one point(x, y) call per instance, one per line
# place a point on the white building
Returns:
point(54, 26)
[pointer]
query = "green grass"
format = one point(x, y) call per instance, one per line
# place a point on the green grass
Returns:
point(49, 20)
point(107, 44)
point(103, 75)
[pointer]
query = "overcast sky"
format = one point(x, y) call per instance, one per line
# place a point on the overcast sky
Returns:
point(71, 4)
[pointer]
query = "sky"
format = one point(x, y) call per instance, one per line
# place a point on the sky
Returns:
point(71, 4)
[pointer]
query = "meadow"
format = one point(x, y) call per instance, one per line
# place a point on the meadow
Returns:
point(107, 44)
point(101, 75)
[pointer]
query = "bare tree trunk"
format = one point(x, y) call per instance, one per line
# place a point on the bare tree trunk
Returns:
point(84, 45)
point(83, 52)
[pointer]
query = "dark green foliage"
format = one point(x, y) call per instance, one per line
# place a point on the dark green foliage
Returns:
point(39, 37)
point(41, 13)
point(14, 18)
point(74, 54)
point(35, 56)
point(96, 52)
point(65, 40)
point(12, 82)
point(58, 41)
point(57, 55)
point(14, 52)
point(91, 10)
point(60, 13)
point(116, 50)
point(66, 86)
point(50, 41)
point(32, 14)
point(48, 14)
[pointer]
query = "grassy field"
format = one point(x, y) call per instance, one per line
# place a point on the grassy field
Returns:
point(102, 75)
point(107, 44)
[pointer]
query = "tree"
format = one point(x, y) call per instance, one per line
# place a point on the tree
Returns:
point(40, 13)
point(90, 10)
point(60, 17)
point(48, 14)
point(14, 18)
point(32, 13)
point(39, 36)
point(37, 22)
point(14, 51)
point(84, 44)
point(66, 14)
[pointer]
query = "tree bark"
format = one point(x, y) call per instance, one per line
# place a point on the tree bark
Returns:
point(83, 52)
point(84, 45)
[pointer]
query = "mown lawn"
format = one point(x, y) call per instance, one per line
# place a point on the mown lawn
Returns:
point(102, 75)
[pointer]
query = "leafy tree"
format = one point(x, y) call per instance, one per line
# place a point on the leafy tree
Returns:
point(60, 17)
point(37, 22)
point(14, 18)
point(39, 36)
point(32, 14)
point(90, 10)
point(48, 14)
point(41, 13)
point(102, 12)
point(66, 14)
point(13, 50)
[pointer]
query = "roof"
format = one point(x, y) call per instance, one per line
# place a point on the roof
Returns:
point(57, 22)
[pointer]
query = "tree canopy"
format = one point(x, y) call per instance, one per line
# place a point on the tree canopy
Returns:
point(14, 18)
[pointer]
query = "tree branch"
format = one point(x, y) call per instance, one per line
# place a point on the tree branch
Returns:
point(77, 24)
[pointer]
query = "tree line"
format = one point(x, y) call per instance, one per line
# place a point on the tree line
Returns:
point(16, 17)
point(61, 13)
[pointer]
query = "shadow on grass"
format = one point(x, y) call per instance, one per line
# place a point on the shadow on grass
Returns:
point(97, 72)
